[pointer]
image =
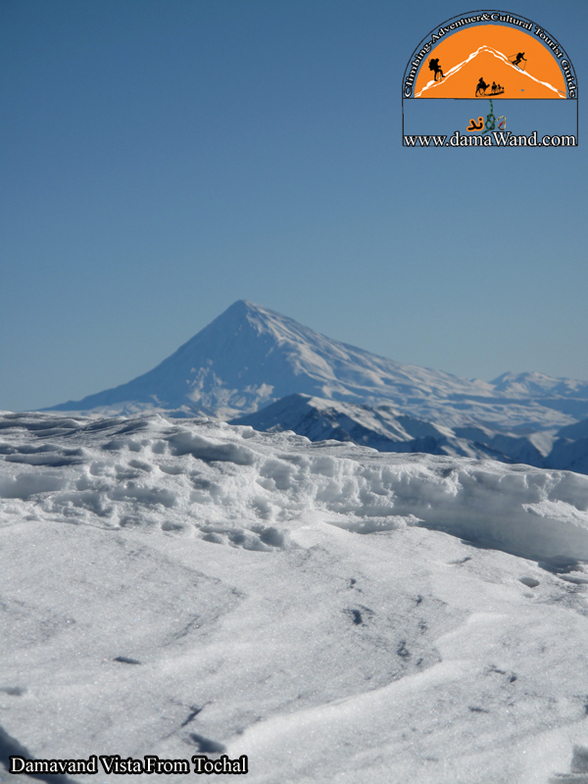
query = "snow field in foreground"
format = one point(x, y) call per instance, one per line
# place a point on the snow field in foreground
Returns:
point(249, 489)
point(173, 589)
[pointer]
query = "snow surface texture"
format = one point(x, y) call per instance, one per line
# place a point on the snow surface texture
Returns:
point(337, 614)
point(250, 357)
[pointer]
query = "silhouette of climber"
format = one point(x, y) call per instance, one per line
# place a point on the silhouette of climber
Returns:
point(434, 66)
point(482, 86)
point(520, 56)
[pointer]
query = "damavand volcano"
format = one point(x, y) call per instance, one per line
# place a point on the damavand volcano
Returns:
point(250, 357)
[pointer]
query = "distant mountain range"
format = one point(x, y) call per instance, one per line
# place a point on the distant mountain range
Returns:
point(254, 366)
point(387, 430)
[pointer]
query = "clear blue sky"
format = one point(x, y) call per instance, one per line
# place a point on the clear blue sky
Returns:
point(160, 160)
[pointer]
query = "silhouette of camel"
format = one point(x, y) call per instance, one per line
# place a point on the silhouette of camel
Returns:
point(481, 86)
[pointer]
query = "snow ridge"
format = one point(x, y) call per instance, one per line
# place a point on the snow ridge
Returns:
point(234, 485)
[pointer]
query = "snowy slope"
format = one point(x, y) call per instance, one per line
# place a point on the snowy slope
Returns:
point(570, 450)
point(251, 356)
point(337, 614)
point(381, 427)
point(539, 385)
point(386, 429)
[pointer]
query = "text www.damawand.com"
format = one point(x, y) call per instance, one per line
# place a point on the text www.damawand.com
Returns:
point(492, 139)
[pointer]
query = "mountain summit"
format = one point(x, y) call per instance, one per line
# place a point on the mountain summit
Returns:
point(250, 357)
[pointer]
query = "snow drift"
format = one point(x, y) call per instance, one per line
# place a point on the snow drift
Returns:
point(238, 486)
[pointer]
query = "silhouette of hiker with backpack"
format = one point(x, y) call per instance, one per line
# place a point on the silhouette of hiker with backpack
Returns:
point(434, 66)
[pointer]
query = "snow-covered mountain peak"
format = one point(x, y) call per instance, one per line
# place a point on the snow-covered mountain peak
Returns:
point(250, 357)
point(244, 315)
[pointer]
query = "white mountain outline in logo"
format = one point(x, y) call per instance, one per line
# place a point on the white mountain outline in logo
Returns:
point(499, 56)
